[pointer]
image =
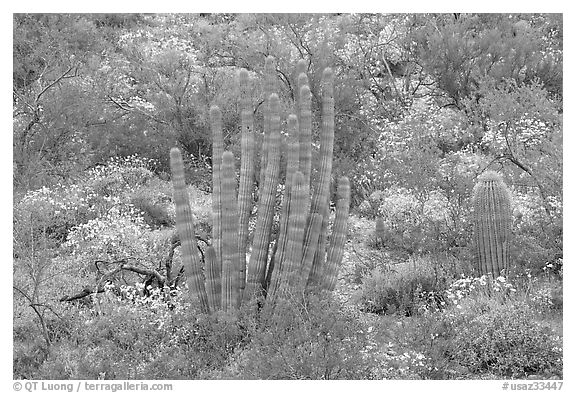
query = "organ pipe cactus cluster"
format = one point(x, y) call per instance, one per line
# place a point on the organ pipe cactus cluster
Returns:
point(492, 224)
point(303, 257)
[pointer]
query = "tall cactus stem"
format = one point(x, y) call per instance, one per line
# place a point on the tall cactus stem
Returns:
point(288, 262)
point(258, 259)
point(339, 234)
point(269, 89)
point(185, 227)
point(230, 259)
point(380, 231)
point(213, 279)
point(243, 84)
point(310, 246)
point(291, 169)
point(217, 151)
point(300, 69)
point(321, 194)
point(246, 179)
point(295, 239)
point(305, 135)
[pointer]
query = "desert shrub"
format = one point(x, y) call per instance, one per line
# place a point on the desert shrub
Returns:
point(303, 339)
point(159, 337)
point(119, 234)
point(506, 340)
point(154, 200)
point(537, 239)
point(28, 356)
point(379, 295)
point(52, 212)
point(488, 328)
point(407, 288)
point(137, 336)
point(420, 180)
point(56, 210)
point(199, 172)
point(418, 224)
point(119, 174)
point(542, 290)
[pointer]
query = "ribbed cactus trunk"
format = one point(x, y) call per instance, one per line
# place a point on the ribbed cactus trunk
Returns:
point(269, 89)
point(321, 193)
point(304, 107)
point(213, 269)
point(213, 285)
point(310, 247)
point(246, 178)
point(262, 234)
point(288, 262)
point(291, 168)
point(185, 227)
point(295, 237)
point(339, 232)
point(305, 134)
point(492, 224)
point(230, 256)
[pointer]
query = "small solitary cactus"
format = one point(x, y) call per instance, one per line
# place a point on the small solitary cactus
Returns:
point(492, 224)
point(304, 256)
point(379, 231)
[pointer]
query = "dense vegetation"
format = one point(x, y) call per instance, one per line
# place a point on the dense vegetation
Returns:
point(424, 105)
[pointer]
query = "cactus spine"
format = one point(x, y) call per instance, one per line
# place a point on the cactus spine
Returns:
point(299, 259)
point(492, 224)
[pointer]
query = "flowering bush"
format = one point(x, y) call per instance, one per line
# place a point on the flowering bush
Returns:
point(497, 289)
point(409, 364)
point(504, 340)
point(154, 201)
point(120, 234)
point(157, 336)
point(143, 336)
point(410, 148)
point(54, 210)
point(120, 174)
point(58, 209)
point(433, 215)
point(537, 239)
point(411, 224)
